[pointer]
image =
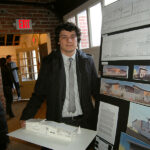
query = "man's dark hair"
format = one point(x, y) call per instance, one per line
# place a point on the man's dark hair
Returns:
point(68, 26)
point(8, 56)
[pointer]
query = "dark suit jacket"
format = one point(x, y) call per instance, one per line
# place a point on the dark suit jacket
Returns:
point(51, 85)
point(4, 139)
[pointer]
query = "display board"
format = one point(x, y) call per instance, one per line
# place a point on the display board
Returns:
point(125, 75)
point(125, 14)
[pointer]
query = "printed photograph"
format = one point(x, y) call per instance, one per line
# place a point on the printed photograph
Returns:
point(131, 91)
point(141, 73)
point(128, 142)
point(139, 122)
point(115, 71)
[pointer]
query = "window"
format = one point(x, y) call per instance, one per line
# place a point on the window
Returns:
point(95, 23)
point(107, 2)
point(89, 19)
point(9, 39)
point(82, 24)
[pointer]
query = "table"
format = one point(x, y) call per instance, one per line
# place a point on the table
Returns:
point(79, 142)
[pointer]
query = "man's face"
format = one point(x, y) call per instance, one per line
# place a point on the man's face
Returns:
point(67, 42)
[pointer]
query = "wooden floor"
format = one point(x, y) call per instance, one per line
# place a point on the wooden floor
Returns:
point(13, 124)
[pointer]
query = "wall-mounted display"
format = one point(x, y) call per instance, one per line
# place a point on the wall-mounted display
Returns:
point(115, 71)
point(107, 121)
point(139, 122)
point(141, 72)
point(124, 67)
point(128, 142)
point(131, 91)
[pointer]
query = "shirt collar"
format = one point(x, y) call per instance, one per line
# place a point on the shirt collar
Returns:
point(65, 58)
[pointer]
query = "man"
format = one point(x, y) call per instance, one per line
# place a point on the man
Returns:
point(14, 68)
point(67, 101)
point(7, 86)
point(4, 139)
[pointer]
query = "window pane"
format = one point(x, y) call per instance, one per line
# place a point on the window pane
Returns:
point(35, 64)
point(2, 39)
point(107, 2)
point(95, 21)
point(73, 20)
point(82, 23)
point(28, 66)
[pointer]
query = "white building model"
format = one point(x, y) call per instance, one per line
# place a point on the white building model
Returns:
point(51, 128)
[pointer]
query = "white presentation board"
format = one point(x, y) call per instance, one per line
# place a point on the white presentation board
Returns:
point(132, 45)
point(79, 142)
point(125, 14)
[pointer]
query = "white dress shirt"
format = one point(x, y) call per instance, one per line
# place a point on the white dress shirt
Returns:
point(78, 111)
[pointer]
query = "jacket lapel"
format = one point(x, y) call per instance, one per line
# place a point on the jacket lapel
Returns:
point(60, 77)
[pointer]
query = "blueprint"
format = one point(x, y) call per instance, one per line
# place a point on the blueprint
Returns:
point(125, 14)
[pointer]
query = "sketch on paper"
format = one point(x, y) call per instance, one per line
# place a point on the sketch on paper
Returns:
point(141, 72)
point(131, 91)
point(139, 122)
point(115, 71)
point(128, 142)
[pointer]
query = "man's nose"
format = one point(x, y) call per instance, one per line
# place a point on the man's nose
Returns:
point(69, 39)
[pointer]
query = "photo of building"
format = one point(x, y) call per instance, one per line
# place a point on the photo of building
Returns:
point(131, 91)
point(115, 71)
point(141, 73)
point(128, 142)
point(139, 122)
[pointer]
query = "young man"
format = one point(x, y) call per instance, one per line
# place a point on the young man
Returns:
point(67, 101)
point(12, 66)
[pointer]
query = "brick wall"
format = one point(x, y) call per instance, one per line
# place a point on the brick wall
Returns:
point(43, 20)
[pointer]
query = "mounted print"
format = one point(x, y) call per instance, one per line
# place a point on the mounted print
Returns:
point(139, 122)
point(131, 91)
point(115, 71)
point(141, 72)
point(128, 142)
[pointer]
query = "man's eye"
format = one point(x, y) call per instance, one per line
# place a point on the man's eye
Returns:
point(64, 37)
point(73, 37)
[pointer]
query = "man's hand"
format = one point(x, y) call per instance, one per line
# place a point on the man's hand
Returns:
point(22, 123)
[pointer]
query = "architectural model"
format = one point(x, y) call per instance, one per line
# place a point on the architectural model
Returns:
point(51, 128)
